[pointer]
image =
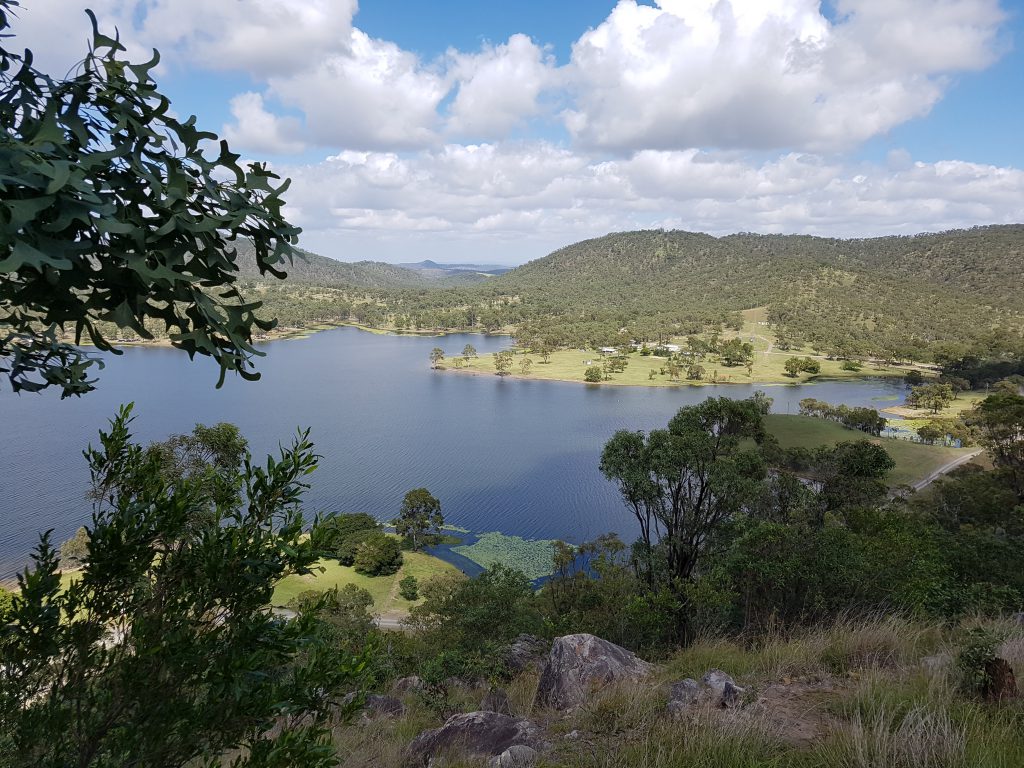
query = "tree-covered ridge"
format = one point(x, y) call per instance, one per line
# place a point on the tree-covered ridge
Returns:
point(897, 296)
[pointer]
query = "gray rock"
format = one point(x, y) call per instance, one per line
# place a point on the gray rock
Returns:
point(724, 691)
point(406, 685)
point(524, 652)
point(579, 665)
point(716, 679)
point(496, 700)
point(476, 734)
point(517, 756)
point(723, 688)
point(682, 696)
point(731, 696)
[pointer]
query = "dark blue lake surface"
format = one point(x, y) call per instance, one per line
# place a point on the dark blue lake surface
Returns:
point(509, 455)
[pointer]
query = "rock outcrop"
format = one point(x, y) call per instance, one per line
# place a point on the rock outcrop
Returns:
point(715, 689)
point(580, 665)
point(475, 734)
point(724, 691)
point(524, 652)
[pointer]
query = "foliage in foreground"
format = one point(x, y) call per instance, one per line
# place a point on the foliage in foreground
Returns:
point(111, 213)
point(162, 651)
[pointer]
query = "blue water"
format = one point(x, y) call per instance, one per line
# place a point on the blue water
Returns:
point(514, 456)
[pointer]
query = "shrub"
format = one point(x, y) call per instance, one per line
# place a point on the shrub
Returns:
point(409, 588)
point(348, 549)
point(330, 533)
point(6, 604)
point(378, 555)
point(593, 374)
point(977, 659)
point(75, 551)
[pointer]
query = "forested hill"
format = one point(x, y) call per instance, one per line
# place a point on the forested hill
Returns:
point(312, 269)
point(850, 296)
point(924, 298)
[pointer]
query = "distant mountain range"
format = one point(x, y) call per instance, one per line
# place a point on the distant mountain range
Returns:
point(311, 268)
point(432, 266)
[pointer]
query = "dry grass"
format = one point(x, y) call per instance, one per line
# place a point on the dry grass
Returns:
point(872, 704)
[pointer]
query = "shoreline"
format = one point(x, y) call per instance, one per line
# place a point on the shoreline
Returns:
point(666, 384)
point(285, 333)
point(290, 333)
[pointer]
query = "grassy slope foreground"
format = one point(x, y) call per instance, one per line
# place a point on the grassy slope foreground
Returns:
point(878, 693)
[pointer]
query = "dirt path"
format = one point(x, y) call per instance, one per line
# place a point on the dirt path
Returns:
point(946, 468)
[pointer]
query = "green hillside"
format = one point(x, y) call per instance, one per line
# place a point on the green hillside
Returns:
point(917, 297)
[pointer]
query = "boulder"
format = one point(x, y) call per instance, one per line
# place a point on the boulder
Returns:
point(475, 734)
point(518, 756)
point(682, 696)
point(496, 700)
point(524, 652)
point(579, 665)
point(724, 691)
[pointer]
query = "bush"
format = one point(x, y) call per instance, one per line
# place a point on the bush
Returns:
point(330, 533)
point(469, 619)
point(6, 604)
point(409, 588)
point(345, 614)
point(75, 551)
point(593, 374)
point(348, 549)
point(851, 365)
point(976, 657)
point(378, 555)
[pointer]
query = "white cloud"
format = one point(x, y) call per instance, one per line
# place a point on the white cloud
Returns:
point(518, 201)
point(259, 130)
point(258, 37)
point(498, 88)
point(769, 73)
point(373, 96)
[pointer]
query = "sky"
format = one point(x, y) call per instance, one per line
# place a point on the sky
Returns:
point(496, 132)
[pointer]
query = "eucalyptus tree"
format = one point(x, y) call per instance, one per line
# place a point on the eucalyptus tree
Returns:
point(684, 482)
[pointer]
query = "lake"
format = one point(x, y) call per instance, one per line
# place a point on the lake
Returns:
point(514, 456)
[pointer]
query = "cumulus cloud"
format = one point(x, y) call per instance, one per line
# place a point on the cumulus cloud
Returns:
point(521, 200)
point(258, 37)
point(498, 88)
point(759, 74)
point(259, 130)
point(374, 95)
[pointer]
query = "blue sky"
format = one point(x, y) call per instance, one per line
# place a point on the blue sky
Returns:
point(467, 131)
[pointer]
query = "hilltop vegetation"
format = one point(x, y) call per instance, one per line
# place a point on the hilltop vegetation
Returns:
point(931, 297)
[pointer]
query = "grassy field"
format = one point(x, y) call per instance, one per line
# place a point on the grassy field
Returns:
point(914, 461)
point(383, 589)
point(768, 365)
point(914, 417)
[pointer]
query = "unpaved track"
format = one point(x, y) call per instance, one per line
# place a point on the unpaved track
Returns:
point(945, 468)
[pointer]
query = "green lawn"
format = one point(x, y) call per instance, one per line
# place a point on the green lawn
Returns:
point(914, 461)
point(768, 365)
point(383, 589)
